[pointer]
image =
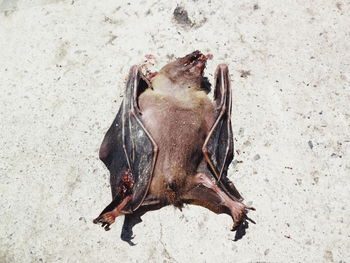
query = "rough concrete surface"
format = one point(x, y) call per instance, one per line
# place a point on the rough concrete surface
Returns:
point(62, 72)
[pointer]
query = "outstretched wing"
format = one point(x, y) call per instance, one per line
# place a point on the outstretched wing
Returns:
point(218, 146)
point(127, 145)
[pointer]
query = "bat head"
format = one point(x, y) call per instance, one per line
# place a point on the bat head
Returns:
point(188, 71)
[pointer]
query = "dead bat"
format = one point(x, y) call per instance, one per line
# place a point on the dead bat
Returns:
point(171, 145)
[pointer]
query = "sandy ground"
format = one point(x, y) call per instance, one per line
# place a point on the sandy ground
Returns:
point(62, 73)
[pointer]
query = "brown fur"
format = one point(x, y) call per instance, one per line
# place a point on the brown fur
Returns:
point(177, 119)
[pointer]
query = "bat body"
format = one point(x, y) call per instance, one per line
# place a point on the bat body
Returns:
point(171, 145)
point(178, 121)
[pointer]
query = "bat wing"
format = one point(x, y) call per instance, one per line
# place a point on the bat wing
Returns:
point(218, 146)
point(127, 146)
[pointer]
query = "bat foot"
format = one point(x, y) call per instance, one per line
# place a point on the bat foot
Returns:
point(105, 220)
point(239, 214)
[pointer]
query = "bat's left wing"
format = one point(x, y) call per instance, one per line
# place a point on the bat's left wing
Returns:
point(218, 146)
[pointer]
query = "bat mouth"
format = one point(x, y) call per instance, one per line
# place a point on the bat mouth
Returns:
point(195, 62)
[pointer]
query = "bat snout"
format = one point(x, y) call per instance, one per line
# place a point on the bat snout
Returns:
point(188, 69)
point(194, 62)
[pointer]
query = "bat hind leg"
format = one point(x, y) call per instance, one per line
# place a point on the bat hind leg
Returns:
point(209, 195)
point(116, 208)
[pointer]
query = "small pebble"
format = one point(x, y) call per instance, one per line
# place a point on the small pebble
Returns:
point(310, 144)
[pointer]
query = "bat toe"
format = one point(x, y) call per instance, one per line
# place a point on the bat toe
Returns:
point(105, 220)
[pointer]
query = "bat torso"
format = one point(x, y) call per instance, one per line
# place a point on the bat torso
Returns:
point(178, 119)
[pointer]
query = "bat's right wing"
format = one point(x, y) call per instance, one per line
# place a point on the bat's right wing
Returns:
point(128, 149)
